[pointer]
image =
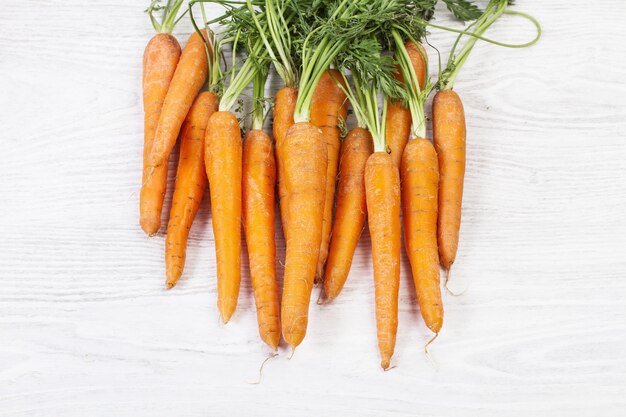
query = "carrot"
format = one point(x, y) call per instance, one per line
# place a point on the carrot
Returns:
point(259, 180)
point(305, 166)
point(328, 107)
point(222, 157)
point(159, 63)
point(284, 105)
point(449, 138)
point(350, 212)
point(382, 191)
point(398, 115)
point(191, 73)
point(449, 128)
point(190, 184)
point(420, 178)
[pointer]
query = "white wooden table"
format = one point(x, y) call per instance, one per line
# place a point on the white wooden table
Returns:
point(87, 328)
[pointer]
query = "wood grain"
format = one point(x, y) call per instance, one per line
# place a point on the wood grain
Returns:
point(86, 327)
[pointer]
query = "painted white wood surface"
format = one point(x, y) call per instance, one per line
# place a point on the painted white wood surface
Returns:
point(87, 329)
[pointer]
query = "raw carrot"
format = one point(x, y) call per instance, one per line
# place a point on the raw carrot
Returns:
point(191, 74)
point(328, 108)
point(305, 166)
point(449, 128)
point(398, 115)
point(159, 63)
point(190, 184)
point(259, 181)
point(420, 178)
point(382, 191)
point(223, 153)
point(350, 212)
point(449, 138)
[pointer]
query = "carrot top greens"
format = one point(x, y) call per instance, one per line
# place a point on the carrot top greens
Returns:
point(169, 14)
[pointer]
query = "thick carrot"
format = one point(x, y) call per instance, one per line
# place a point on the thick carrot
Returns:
point(305, 164)
point(382, 191)
point(284, 106)
point(259, 180)
point(223, 162)
point(351, 209)
point(420, 181)
point(190, 184)
point(159, 63)
point(399, 116)
point(191, 74)
point(449, 139)
point(328, 107)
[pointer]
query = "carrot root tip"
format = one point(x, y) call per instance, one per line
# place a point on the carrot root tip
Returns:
point(266, 360)
point(432, 339)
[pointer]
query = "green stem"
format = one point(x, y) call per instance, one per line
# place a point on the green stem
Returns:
point(258, 99)
point(244, 75)
point(416, 97)
point(494, 10)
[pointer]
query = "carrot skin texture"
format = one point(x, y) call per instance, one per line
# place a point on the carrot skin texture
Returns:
point(329, 105)
point(305, 164)
point(190, 76)
point(420, 181)
point(398, 116)
point(159, 63)
point(259, 181)
point(284, 108)
point(223, 162)
point(351, 210)
point(382, 191)
point(190, 185)
point(449, 139)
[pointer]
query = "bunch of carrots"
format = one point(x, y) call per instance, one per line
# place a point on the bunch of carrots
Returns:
point(329, 55)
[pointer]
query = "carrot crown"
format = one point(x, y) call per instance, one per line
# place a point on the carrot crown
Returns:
point(169, 15)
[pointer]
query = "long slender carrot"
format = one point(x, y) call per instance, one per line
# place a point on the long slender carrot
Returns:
point(328, 107)
point(190, 184)
point(382, 191)
point(284, 106)
point(305, 166)
point(398, 115)
point(223, 161)
point(159, 64)
point(191, 74)
point(259, 180)
point(449, 138)
point(420, 178)
point(351, 209)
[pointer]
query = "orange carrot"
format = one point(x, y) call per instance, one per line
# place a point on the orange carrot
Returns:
point(382, 191)
point(190, 184)
point(284, 106)
point(399, 116)
point(420, 179)
point(191, 74)
point(449, 139)
point(351, 209)
point(223, 162)
point(305, 166)
point(259, 180)
point(159, 63)
point(328, 107)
